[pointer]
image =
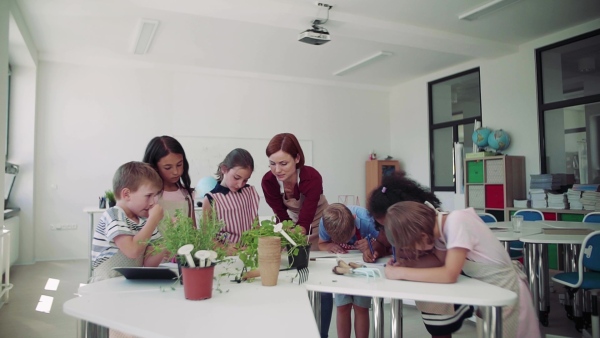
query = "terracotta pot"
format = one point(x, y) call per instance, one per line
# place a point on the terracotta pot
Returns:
point(198, 282)
point(269, 259)
point(301, 260)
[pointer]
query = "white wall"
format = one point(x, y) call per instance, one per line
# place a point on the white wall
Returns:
point(509, 102)
point(91, 120)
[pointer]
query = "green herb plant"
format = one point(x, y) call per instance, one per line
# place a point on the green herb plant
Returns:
point(110, 197)
point(248, 245)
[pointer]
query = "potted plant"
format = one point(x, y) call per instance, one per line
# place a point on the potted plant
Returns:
point(297, 254)
point(179, 231)
point(110, 197)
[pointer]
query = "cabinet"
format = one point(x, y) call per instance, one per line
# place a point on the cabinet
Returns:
point(492, 183)
point(375, 170)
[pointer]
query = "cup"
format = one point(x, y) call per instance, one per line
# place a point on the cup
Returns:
point(517, 221)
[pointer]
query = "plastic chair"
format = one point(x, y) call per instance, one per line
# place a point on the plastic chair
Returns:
point(592, 217)
point(487, 218)
point(530, 214)
point(589, 258)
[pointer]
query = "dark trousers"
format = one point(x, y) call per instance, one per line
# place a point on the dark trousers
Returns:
point(326, 311)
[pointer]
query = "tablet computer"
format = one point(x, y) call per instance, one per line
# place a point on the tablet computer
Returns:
point(146, 273)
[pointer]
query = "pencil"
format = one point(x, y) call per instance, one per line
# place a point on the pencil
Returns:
point(370, 244)
point(394, 254)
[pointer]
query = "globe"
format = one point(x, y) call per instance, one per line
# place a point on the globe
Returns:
point(204, 186)
point(480, 136)
point(499, 140)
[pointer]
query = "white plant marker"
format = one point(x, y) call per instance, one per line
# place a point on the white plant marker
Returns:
point(279, 228)
point(185, 251)
point(212, 257)
point(202, 255)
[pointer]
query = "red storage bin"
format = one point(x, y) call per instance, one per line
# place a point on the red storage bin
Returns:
point(549, 216)
point(494, 196)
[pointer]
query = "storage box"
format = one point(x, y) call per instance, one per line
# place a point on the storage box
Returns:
point(571, 217)
point(494, 171)
point(474, 171)
point(476, 196)
point(494, 196)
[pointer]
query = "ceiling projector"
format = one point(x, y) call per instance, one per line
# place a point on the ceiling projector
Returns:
point(316, 35)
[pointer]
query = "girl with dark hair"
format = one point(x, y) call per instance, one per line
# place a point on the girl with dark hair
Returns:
point(233, 199)
point(166, 155)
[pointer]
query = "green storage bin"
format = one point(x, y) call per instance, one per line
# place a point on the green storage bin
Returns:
point(474, 171)
point(571, 217)
point(553, 256)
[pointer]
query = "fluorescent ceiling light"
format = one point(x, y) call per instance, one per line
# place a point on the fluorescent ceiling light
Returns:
point(485, 9)
point(363, 63)
point(144, 35)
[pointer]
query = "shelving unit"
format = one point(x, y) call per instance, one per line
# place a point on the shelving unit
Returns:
point(375, 170)
point(492, 183)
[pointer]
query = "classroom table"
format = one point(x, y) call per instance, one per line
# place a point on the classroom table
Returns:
point(466, 290)
point(153, 309)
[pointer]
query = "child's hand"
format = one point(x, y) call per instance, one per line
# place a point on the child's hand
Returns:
point(363, 246)
point(370, 258)
point(334, 248)
point(393, 272)
point(156, 212)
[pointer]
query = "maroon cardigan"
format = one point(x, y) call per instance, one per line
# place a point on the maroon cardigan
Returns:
point(311, 186)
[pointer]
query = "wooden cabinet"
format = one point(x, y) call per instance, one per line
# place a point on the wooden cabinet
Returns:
point(492, 183)
point(375, 170)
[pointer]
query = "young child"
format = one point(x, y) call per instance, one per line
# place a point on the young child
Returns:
point(165, 154)
point(234, 200)
point(440, 320)
point(339, 229)
point(123, 229)
point(463, 243)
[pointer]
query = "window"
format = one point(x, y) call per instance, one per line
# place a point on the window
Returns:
point(569, 107)
point(454, 106)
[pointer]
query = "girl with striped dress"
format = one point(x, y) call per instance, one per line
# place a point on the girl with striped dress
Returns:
point(233, 199)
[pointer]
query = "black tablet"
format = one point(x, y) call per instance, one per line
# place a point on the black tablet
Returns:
point(147, 273)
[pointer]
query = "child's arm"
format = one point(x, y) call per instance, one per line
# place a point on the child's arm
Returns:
point(447, 273)
point(152, 259)
point(330, 247)
point(135, 246)
point(206, 208)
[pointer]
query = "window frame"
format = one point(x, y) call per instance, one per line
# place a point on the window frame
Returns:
point(544, 107)
point(454, 124)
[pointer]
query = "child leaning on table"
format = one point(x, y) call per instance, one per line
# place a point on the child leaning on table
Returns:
point(123, 231)
point(339, 229)
point(463, 243)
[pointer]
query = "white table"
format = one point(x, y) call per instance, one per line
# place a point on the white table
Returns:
point(464, 291)
point(242, 310)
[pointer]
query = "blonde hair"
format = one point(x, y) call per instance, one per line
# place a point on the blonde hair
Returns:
point(339, 223)
point(407, 222)
point(132, 175)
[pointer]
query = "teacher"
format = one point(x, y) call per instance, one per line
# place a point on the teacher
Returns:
point(293, 190)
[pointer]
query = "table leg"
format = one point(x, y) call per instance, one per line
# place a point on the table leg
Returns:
point(4, 289)
point(378, 317)
point(492, 321)
point(544, 284)
point(532, 263)
point(396, 318)
point(315, 302)
point(91, 236)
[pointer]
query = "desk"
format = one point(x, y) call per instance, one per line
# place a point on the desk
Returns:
point(244, 310)
point(464, 291)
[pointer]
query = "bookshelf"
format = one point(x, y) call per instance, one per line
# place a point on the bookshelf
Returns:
point(493, 182)
point(375, 170)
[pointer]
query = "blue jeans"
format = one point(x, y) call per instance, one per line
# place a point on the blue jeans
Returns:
point(326, 311)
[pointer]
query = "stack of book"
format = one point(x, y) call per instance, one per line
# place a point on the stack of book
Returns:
point(557, 201)
point(521, 203)
point(538, 198)
point(546, 181)
point(586, 187)
point(590, 200)
point(574, 199)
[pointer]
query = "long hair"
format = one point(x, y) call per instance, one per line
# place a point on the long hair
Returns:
point(289, 144)
point(405, 224)
point(162, 146)
point(238, 157)
point(398, 188)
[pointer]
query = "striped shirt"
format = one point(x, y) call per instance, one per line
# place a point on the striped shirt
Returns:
point(113, 223)
point(237, 210)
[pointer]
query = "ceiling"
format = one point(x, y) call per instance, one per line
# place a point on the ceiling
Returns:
point(260, 36)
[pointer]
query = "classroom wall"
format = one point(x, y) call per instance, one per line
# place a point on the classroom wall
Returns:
point(508, 101)
point(92, 119)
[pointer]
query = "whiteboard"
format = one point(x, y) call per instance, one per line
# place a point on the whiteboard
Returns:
point(204, 154)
